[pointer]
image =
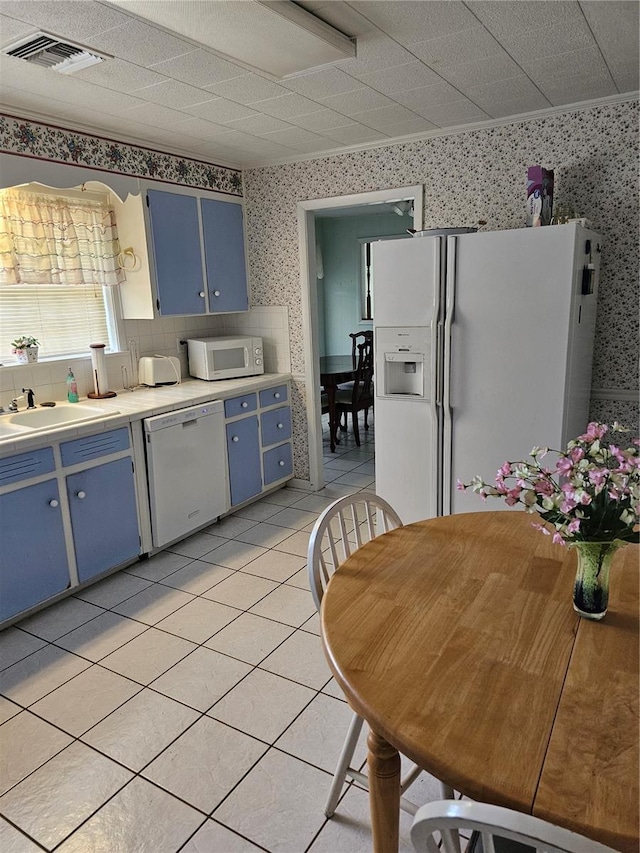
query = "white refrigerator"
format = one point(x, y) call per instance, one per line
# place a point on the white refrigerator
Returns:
point(483, 349)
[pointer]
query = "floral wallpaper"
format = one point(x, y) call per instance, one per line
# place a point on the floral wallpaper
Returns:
point(467, 177)
point(47, 142)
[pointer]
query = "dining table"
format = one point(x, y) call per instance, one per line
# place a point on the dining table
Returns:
point(334, 370)
point(455, 638)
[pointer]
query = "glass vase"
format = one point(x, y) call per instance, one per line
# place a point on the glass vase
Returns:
point(591, 587)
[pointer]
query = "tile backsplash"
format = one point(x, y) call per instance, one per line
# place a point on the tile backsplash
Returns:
point(149, 337)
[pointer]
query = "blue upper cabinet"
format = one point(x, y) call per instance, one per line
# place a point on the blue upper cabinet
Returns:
point(223, 233)
point(185, 230)
point(175, 239)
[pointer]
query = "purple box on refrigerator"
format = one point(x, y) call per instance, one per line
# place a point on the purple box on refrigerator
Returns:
point(539, 195)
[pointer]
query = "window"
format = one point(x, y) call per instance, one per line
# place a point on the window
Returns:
point(57, 255)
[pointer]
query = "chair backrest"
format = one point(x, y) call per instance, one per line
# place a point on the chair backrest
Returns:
point(500, 830)
point(363, 380)
point(367, 340)
point(342, 528)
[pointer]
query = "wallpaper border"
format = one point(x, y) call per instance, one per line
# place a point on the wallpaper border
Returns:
point(41, 141)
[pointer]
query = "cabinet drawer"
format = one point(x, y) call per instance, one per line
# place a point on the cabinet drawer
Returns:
point(240, 405)
point(276, 426)
point(26, 465)
point(271, 396)
point(94, 446)
point(277, 463)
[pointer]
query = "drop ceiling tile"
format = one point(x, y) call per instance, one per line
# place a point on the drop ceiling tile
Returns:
point(411, 22)
point(545, 41)
point(73, 20)
point(508, 17)
point(140, 43)
point(428, 96)
point(487, 70)
point(199, 68)
point(11, 29)
point(247, 89)
point(375, 50)
point(358, 101)
point(119, 75)
point(566, 64)
point(321, 84)
point(199, 128)
point(156, 114)
point(385, 118)
point(353, 134)
point(321, 120)
point(501, 107)
point(464, 46)
point(454, 114)
point(258, 124)
point(293, 137)
point(571, 90)
point(220, 110)
point(174, 94)
point(287, 106)
point(409, 76)
point(617, 35)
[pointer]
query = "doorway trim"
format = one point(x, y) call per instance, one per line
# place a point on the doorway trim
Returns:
point(309, 283)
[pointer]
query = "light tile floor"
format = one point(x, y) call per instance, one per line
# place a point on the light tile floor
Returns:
point(184, 703)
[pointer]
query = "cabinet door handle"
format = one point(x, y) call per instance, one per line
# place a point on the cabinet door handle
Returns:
point(53, 503)
point(201, 294)
point(81, 495)
point(235, 438)
point(244, 405)
point(216, 293)
point(281, 463)
point(277, 395)
point(280, 426)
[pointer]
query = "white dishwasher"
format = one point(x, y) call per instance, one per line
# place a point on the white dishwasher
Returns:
point(186, 469)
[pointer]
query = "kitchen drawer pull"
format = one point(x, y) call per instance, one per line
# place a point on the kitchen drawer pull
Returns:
point(81, 495)
point(53, 503)
point(235, 438)
point(244, 404)
point(281, 463)
point(201, 294)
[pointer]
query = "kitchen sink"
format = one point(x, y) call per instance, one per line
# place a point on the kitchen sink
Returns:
point(47, 418)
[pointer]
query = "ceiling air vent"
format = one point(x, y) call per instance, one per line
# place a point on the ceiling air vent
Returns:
point(51, 52)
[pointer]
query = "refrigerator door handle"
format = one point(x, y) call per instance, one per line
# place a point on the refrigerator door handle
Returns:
point(449, 302)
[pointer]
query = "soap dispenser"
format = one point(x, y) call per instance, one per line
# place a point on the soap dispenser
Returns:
point(72, 387)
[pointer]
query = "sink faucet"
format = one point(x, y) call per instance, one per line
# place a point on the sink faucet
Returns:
point(29, 393)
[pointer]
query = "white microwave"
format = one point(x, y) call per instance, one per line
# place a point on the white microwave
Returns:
point(225, 358)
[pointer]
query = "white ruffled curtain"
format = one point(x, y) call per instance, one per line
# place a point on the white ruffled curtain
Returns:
point(54, 240)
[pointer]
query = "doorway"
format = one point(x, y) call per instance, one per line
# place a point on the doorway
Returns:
point(307, 213)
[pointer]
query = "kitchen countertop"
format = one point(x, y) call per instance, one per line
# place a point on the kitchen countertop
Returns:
point(143, 402)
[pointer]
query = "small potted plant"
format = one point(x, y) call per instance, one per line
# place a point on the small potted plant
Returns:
point(25, 349)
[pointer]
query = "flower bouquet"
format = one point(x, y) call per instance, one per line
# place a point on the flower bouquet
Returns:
point(589, 496)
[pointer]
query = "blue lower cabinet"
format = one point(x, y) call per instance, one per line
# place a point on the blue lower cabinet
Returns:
point(33, 553)
point(278, 463)
point(102, 502)
point(243, 453)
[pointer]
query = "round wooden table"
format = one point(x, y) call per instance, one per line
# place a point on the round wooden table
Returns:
point(456, 640)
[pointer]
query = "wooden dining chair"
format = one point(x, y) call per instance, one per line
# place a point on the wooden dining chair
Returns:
point(359, 397)
point(494, 830)
point(342, 528)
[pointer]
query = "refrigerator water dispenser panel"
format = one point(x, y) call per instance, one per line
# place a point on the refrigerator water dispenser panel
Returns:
point(403, 362)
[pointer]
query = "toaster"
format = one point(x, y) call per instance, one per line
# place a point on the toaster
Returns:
point(159, 370)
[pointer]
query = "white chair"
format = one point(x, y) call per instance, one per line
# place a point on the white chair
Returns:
point(495, 830)
point(342, 528)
